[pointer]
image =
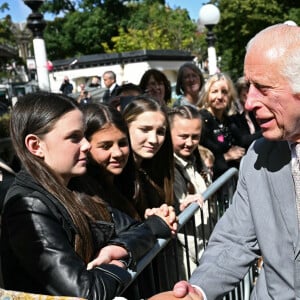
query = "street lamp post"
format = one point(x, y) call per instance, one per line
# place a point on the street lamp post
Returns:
point(37, 24)
point(209, 16)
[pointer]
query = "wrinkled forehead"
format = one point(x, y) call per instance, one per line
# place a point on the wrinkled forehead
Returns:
point(261, 57)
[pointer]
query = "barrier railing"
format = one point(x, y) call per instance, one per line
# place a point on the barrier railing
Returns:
point(220, 193)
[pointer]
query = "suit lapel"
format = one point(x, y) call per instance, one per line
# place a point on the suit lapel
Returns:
point(282, 185)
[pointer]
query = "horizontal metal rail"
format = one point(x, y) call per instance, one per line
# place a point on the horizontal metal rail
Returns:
point(242, 292)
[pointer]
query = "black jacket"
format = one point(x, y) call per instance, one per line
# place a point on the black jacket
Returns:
point(38, 246)
point(218, 138)
point(240, 128)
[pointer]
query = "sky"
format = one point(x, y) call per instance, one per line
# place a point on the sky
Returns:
point(19, 11)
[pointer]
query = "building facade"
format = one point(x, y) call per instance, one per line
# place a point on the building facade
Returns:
point(128, 66)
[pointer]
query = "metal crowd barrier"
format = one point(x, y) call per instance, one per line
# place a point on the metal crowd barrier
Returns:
point(170, 260)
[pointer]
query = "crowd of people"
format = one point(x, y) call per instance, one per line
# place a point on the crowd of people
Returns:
point(100, 182)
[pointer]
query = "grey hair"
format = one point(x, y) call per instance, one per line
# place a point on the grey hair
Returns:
point(286, 40)
point(111, 74)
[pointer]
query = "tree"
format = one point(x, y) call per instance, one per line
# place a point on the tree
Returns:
point(8, 53)
point(82, 31)
point(155, 26)
point(91, 26)
point(241, 20)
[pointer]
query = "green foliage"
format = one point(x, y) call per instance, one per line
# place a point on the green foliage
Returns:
point(82, 31)
point(240, 21)
point(4, 125)
point(153, 26)
point(7, 39)
point(6, 35)
point(97, 26)
point(58, 6)
point(294, 14)
point(4, 6)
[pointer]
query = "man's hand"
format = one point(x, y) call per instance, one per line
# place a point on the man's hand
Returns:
point(183, 288)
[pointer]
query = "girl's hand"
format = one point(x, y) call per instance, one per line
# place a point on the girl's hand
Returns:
point(167, 213)
point(191, 199)
point(109, 255)
point(234, 153)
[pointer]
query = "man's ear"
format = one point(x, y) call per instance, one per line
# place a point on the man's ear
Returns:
point(33, 144)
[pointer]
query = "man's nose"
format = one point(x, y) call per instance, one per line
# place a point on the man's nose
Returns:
point(251, 98)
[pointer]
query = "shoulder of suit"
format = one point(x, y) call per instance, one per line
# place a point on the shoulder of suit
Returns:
point(263, 145)
point(270, 155)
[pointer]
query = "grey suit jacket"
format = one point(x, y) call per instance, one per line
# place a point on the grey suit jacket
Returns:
point(261, 221)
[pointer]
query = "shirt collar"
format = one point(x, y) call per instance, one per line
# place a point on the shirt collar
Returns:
point(112, 87)
point(185, 162)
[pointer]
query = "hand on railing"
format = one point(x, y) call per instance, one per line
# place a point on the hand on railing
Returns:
point(167, 213)
point(191, 199)
point(111, 254)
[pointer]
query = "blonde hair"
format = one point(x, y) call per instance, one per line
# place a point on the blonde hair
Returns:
point(205, 153)
point(232, 95)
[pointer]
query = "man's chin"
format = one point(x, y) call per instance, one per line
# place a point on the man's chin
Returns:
point(271, 136)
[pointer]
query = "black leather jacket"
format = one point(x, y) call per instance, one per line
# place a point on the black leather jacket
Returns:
point(38, 245)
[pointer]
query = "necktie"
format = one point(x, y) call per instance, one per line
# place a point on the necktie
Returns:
point(296, 176)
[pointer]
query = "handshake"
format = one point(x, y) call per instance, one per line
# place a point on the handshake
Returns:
point(182, 290)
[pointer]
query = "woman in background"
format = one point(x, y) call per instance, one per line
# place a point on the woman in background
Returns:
point(188, 86)
point(217, 104)
point(244, 122)
point(156, 84)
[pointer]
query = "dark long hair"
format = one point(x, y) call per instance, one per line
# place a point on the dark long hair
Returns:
point(97, 117)
point(180, 77)
point(37, 113)
point(159, 77)
point(160, 168)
